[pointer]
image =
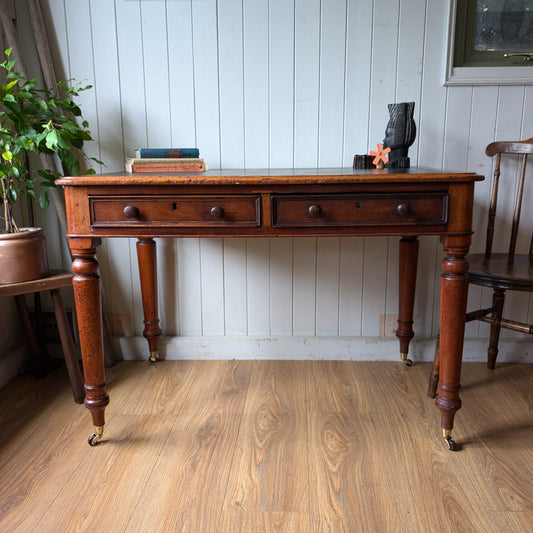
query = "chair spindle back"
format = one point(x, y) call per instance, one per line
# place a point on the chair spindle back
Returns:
point(522, 149)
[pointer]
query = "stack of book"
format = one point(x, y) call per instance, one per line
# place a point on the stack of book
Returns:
point(166, 160)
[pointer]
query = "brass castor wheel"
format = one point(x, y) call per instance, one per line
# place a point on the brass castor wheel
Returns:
point(153, 357)
point(405, 360)
point(96, 436)
point(451, 443)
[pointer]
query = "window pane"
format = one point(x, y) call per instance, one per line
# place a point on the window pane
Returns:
point(504, 25)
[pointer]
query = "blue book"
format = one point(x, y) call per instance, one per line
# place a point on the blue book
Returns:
point(168, 153)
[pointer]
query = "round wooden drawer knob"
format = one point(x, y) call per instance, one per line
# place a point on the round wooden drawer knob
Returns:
point(314, 211)
point(403, 210)
point(130, 211)
point(217, 212)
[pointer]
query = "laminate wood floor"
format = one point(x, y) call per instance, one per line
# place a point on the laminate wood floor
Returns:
point(269, 446)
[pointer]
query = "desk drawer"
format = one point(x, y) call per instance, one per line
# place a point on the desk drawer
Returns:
point(183, 211)
point(360, 209)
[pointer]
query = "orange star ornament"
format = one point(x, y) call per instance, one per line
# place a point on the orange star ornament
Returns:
point(380, 156)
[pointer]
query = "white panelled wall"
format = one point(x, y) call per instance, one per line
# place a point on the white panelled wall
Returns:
point(281, 83)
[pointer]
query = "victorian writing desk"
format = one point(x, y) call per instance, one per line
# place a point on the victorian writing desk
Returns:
point(272, 203)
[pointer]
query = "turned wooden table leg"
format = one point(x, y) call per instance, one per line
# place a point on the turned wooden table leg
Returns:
point(454, 294)
point(147, 258)
point(86, 285)
point(407, 283)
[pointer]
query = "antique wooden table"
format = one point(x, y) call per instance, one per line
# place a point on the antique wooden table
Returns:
point(272, 203)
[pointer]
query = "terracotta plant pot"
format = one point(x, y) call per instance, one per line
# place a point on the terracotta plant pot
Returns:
point(23, 256)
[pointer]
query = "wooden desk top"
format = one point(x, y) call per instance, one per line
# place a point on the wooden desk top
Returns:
point(300, 176)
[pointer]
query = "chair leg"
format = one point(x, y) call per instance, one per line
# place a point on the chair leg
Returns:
point(73, 367)
point(498, 300)
point(39, 363)
point(434, 374)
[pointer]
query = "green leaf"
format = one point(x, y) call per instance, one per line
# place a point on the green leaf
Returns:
point(12, 195)
point(77, 143)
point(5, 170)
point(75, 168)
point(11, 84)
point(48, 176)
point(67, 157)
point(51, 140)
point(14, 75)
point(44, 201)
point(28, 144)
point(7, 155)
point(38, 139)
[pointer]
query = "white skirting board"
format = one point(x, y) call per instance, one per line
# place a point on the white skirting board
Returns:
point(289, 348)
point(321, 348)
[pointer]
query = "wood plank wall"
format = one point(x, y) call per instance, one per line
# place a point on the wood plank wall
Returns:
point(278, 83)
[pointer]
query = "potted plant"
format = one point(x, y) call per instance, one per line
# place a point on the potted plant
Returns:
point(40, 121)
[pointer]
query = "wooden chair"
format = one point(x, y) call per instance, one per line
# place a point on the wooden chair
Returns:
point(500, 271)
point(53, 282)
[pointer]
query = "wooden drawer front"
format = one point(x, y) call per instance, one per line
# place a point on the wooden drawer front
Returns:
point(359, 209)
point(188, 211)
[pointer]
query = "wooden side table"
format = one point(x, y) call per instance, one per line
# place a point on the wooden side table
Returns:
point(57, 279)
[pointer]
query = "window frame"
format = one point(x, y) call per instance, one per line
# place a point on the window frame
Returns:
point(479, 75)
